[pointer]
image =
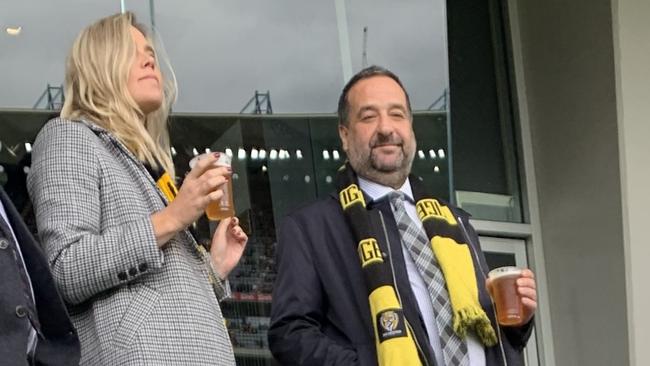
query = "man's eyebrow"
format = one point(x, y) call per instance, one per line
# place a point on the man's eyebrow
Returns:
point(398, 106)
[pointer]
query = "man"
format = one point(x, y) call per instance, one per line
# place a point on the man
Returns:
point(34, 325)
point(366, 277)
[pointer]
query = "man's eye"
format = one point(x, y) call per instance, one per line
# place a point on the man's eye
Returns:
point(366, 117)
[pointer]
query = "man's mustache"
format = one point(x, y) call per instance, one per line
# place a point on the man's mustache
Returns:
point(381, 140)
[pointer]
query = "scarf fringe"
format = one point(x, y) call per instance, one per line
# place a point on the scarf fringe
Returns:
point(470, 318)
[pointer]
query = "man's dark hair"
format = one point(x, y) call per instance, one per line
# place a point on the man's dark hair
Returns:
point(368, 72)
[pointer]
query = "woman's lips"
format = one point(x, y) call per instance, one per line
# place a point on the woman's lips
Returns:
point(149, 77)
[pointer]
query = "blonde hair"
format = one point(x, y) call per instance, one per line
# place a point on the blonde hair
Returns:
point(97, 71)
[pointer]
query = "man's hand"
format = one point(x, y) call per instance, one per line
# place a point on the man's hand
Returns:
point(527, 291)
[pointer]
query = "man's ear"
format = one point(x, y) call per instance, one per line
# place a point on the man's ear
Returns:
point(343, 134)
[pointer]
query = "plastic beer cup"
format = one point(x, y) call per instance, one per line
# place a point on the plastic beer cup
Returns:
point(224, 207)
point(510, 310)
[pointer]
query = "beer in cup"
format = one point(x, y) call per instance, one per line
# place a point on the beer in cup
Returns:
point(224, 207)
point(510, 310)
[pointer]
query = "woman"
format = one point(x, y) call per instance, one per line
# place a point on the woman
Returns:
point(139, 289)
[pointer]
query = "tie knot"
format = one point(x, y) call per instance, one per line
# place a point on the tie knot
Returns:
point(396, 200)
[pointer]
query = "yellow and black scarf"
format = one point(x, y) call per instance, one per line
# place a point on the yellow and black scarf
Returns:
point(164, 181)
point(394, 339)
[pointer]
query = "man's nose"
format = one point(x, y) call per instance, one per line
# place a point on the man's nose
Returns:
point(384, 125)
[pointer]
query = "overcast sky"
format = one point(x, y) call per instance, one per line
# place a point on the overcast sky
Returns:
point(222, 51)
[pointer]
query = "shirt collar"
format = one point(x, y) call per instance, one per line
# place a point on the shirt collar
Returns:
point(377, 191)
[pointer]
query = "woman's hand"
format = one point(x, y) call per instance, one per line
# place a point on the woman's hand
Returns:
point(228, 244)
point(201, 186)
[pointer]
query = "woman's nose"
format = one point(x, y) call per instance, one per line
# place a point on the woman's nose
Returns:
point(149, 62)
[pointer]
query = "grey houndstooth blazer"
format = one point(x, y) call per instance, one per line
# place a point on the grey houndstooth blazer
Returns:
point(132, 303)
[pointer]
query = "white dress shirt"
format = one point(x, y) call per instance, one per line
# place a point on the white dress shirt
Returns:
point(420, 290)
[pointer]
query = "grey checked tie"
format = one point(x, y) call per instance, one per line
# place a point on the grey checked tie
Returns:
point(414, 238)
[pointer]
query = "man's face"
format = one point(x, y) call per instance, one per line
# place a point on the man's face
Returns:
point(379, 139)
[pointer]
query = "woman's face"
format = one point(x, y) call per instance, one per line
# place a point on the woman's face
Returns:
point(145, 81)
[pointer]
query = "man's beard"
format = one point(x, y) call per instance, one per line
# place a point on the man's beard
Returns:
point(391, 174)
point(374, 161)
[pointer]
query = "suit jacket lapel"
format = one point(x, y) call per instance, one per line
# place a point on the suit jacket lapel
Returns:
point(21, 231)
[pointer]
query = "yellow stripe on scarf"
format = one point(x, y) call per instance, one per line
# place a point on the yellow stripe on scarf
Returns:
point(166, 185)
point(455, 261)
point(386, 310)
point(394, 341)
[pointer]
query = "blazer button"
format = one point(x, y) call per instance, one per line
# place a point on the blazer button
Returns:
point(143, 267)
point(122, 276)
point(4, 243)
point(21, 312)
point(133, 271)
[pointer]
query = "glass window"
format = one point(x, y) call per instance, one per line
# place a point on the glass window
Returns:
point(295, 56)
point(260, 80)
point(482, 111)
point(279, 162)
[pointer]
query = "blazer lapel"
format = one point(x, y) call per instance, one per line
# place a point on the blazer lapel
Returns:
point(108, 138)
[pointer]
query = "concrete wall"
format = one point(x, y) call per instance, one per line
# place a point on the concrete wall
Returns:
point(567, 57)
point(632, 46)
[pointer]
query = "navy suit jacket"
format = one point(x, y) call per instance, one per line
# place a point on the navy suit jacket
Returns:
point(57, 340)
